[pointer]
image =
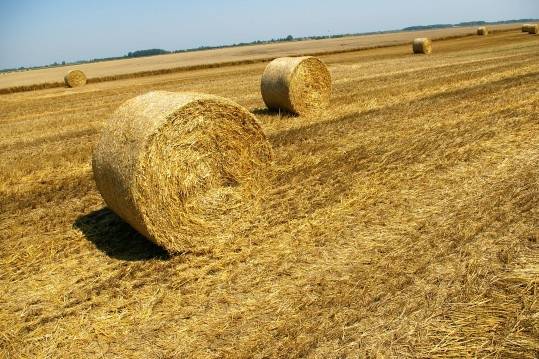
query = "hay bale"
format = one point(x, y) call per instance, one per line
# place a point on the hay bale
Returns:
point(482, 31)
point(181, 167)
point(422, 46)
point(533, 29)
point(75, 78)
point(525, 27)
point(301, 85)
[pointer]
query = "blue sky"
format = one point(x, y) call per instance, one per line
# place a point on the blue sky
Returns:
point(36, 32)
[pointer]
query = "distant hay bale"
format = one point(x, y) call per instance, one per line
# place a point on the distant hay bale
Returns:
point(482, 31)
point(533, 29)
point(525, 27)
point(75, 78)
point(422, 46)
point(181, 167)
point(301, 85)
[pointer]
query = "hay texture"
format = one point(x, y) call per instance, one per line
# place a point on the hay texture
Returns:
point(533, 29)
point(180, 167)
point(300, 85)
point(482, 31)
point(525, 27)
point(422, 46)
point(75, 78)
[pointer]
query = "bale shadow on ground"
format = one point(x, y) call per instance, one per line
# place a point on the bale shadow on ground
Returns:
point(273, 112)
point(117, 239)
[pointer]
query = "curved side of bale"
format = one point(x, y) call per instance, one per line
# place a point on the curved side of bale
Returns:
point(482, 31)
point(301, 85)
point(422, 46)
point(75, 78)
point(525, 27)
point(533, 29)
point(181, 168)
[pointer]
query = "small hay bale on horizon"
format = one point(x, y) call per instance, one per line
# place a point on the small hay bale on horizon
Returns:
point(422, 45)
point(482, 31)
point(533, 29)
point(181, 168)
point(75, 78)
point(300, 85)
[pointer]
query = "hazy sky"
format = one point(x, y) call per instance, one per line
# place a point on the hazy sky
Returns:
point(36, 32)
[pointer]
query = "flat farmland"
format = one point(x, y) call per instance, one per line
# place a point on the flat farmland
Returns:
point(235, 54)
point(401, 222)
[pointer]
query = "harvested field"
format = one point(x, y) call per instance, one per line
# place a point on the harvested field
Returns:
point(401, 222)
point(111, 70)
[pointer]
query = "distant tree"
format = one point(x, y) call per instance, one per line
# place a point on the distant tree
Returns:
point(63, 62)
point(149, 52)
point(289, 38)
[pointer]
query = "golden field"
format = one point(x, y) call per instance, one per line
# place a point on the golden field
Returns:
point(126, 67)
point(401, 222)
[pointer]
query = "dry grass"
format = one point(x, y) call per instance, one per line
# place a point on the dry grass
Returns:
point(300, 85)
point(401, 222)
point(181, 167)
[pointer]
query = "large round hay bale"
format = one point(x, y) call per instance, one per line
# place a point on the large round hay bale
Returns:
point(533, 29)
point(301, 85)
point(482, 31)
point(181, 168)
point(525, 27)
point(75, 78)
point(422, 46)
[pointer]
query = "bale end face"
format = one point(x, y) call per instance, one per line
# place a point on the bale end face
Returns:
point(300, 85)
point(75, 78)
point(533, 29)
point(182, 168)
point(482, 31)
point(422, 46)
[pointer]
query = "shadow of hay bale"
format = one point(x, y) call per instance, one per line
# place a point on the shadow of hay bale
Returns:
point(117, 239)
point(261, 111)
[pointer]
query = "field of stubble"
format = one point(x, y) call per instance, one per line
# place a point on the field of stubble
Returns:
point(402, 222)
point(99, 71)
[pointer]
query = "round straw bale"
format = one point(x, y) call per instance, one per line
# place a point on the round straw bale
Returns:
point(422, 46)
point(482, 31)
point(533, 29)
point(75, 78)
point(301, 85)
point(525, 27)
point(181, 168)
